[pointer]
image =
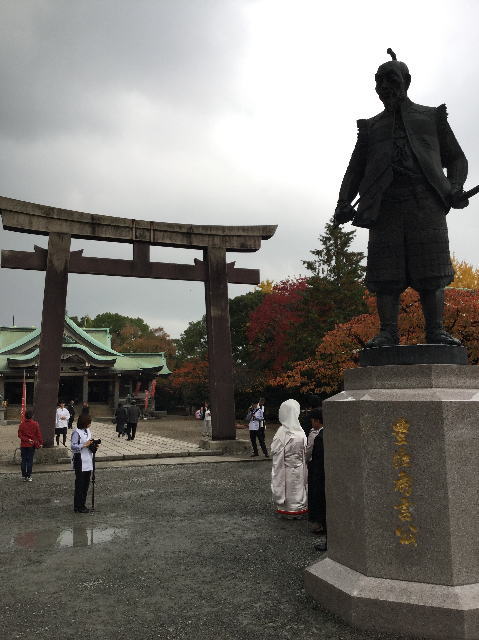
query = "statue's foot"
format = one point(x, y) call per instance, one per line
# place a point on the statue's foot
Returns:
point(442, 337)
point(383, 339)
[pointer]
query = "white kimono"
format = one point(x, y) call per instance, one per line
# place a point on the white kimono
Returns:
point(289, 476)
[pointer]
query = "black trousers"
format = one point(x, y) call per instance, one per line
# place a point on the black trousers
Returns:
point(131, 430)
point(82, 482)
point(61, 432)
point(27, 461)
point(260, 435)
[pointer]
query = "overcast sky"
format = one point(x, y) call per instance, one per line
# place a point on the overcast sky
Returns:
point(209, 111)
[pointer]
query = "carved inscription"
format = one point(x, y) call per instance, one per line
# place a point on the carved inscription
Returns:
point(406, 531)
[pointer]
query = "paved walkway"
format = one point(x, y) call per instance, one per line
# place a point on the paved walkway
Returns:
point(145, 445)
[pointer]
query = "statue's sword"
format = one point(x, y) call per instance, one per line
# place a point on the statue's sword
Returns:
point(465, 196)
point(472, 192)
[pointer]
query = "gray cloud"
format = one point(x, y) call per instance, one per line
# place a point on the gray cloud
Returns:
point(208, 111)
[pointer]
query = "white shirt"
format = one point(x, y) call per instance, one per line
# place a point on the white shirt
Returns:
point(79, 437)
point(256, 419)
point(62, 418)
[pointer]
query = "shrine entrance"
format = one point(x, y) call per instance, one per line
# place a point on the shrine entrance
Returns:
point(60, 225)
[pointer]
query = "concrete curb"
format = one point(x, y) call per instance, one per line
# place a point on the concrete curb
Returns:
point(11, 469)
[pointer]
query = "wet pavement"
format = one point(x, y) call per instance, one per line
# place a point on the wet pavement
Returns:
point(185, 551)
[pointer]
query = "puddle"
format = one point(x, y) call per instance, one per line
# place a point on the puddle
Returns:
point(76, 536)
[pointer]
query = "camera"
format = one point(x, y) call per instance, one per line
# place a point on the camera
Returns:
point(94, 445)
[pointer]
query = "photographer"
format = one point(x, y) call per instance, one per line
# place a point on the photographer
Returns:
point(83, 446)
point(256, 429)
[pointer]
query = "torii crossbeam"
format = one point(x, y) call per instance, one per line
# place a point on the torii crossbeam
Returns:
point(58, 261)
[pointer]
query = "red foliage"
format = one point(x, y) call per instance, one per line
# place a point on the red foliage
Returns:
point(193, 373)
point(271, 322)
point(339, 348)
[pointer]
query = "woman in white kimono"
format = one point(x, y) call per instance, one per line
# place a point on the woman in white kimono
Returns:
point(289, 477)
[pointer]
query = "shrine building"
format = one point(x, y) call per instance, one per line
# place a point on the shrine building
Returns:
point(91, 371)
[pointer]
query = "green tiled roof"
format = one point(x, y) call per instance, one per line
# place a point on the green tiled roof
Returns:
point(83, 334)
point(22, 341)
point(102, 335)
point(79, 347)
point(139, 361)
point(13, 340)
point(9, 335)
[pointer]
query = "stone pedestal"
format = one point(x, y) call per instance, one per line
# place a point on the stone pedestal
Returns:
point(402, 487)
point(2, 416)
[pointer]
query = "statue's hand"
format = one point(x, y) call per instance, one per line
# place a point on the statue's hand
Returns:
point(457, 199)
point(343, 213)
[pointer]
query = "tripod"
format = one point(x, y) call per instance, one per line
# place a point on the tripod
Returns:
point(93, 484)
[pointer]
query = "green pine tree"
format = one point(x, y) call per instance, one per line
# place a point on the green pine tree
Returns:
point(335, 291)
point(334, 260)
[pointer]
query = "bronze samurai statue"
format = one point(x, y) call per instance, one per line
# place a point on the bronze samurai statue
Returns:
point(397, 169)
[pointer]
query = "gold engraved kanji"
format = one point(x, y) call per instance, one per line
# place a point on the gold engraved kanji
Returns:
point(403, 484)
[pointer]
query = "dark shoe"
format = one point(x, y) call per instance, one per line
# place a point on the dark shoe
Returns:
point(383, 339)
point(322, 545)
point(254, 455)
point(442, 337)
point(82, 510)
point(318, 530)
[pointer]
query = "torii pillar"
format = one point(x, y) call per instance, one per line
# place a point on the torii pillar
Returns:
point(51, 335)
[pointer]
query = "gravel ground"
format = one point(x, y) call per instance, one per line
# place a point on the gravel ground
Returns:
point(172, 552)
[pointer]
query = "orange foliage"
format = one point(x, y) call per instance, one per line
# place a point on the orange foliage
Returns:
point(192, 373)
point(339, 349)
point(466, 276)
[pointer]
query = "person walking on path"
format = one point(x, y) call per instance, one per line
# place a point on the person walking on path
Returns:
point(289, 472)
point(121, 418)
point(30, 439)
point(71, 411)
point(82, 463)
point(133, 415)
point(256, 429)
point(61, 423)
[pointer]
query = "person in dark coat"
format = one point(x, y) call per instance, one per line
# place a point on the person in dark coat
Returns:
point(71, 411)
point(316, 478)
point(314, 402)
point(121, 418)
point(133, 415)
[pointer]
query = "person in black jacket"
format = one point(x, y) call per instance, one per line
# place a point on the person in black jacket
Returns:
point(121, 418)
point(316, 477)
point(133, 415)
point(71, 410)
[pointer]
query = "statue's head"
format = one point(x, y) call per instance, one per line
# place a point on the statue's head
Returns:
point(392, 82)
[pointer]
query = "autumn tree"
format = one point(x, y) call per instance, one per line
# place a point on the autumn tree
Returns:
point(130, 335)
point(339, 349)
point(271, 323)
point(190, 381)
point(466, 276)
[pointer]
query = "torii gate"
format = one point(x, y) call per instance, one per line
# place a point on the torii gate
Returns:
point(60, 225)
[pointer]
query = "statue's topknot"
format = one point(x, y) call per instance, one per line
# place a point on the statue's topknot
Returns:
point(391, 53)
